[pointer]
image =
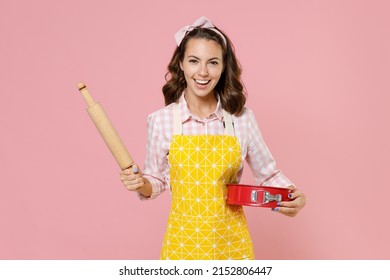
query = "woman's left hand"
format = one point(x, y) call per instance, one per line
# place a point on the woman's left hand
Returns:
point(292, 207)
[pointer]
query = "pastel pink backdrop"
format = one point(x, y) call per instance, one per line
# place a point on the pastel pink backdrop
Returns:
point(317, 76)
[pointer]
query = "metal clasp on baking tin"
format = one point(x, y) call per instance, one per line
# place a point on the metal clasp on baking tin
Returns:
point(267, 197)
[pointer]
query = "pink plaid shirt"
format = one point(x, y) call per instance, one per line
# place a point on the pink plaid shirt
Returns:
point(253, 149)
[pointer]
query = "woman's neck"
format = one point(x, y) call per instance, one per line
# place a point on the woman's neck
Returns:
point(201, 106)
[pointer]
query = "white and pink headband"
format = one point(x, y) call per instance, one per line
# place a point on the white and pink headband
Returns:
point(201, 22)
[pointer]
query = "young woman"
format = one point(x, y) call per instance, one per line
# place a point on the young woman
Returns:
point(196, 145)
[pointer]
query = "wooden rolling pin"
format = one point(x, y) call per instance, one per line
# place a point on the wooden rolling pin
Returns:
point(107, 130)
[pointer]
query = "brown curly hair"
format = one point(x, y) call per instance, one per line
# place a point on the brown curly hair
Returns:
point(229, 87)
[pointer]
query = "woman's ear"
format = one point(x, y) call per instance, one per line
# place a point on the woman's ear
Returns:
point(181, 66)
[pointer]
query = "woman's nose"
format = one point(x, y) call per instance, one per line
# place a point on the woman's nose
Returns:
point(203, 70)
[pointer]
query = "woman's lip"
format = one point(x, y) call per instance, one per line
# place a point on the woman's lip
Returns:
point(203, 84)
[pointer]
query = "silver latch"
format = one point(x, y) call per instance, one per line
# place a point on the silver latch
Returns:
point(267, 197)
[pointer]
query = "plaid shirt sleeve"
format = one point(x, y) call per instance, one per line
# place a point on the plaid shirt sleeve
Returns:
point(258, 156)
point(156, 168)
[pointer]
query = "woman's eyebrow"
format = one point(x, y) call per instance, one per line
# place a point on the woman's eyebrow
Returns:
point(193, 56)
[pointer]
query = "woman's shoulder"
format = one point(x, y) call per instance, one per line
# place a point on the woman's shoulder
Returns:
point(247, 114)
point(162, 115)
point(167, 110)
point(245, 120)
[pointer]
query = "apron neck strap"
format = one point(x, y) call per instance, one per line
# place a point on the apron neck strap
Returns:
point(178, 126)
point(228, 123)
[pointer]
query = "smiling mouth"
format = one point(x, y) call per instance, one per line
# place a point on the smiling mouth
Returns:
point(202, 82)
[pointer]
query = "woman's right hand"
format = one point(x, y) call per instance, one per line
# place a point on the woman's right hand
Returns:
point(132, 178)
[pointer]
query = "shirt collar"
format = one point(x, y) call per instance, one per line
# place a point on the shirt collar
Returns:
point(185, 112)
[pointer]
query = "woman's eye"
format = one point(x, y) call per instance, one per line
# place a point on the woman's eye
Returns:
point(193, 61)
point(214, 62)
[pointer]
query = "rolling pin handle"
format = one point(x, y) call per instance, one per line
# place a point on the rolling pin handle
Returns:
point(82, 86)
point(84, 92)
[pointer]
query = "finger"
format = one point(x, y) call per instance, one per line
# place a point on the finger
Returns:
point(135, 168)
point(134, 187)
point(291, 212)
point(298, 202)
point(299, 198)
point(294, 194)
point(129, 178)
point(125, 172)
point(289, 204)
point(134, 180)
point(134, 184)
point(128, 175)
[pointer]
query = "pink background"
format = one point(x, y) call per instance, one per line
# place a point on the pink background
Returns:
point(317, 73)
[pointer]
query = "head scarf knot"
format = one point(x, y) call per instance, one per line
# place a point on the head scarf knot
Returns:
point(201, 22)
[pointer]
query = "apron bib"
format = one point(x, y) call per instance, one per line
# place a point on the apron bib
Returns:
point(201, 225)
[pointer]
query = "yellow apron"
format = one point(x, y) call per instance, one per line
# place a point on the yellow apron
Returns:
point(201, 225)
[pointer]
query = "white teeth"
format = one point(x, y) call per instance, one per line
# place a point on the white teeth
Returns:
point(202, 82)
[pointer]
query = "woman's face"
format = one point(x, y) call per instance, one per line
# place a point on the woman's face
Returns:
point(202, 66)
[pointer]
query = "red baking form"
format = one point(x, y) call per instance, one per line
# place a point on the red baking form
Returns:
point(258, 196)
